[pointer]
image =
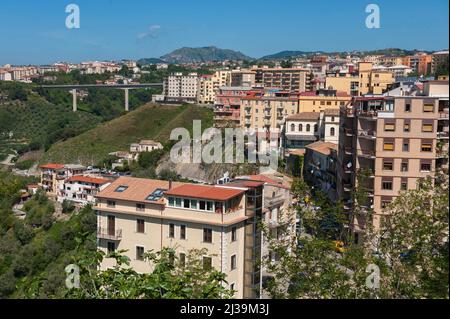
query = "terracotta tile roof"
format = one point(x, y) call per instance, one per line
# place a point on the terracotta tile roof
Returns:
point(304, 116)
point(322, 147)
point(87, 179)
point(205, 192)
point(137, 189)
point(332, 112)
point(52, 166)
point(245, 183)
point(268, 180)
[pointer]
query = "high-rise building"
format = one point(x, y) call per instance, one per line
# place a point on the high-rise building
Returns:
point(393, 141)
point(181, 88)
point(287, 79)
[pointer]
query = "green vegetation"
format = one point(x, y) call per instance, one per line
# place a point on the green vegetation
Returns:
point(410, 249)
point(204, 54)
point(148, 122)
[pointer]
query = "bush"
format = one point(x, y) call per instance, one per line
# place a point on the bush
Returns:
point(67, 206)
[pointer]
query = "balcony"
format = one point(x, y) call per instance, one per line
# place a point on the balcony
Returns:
point(347, 187)
point(267, 114)
point(442, 135)
point(275, 200)
point(369, 115)
point(348, 132)
point(347, 170)
point(443, 115)
point(368, 134)
point(367, 154)
point(247, 122)
point(248, 114)
point(267, 122)
point(349, 150)
point(273, 223)
point(105, 233)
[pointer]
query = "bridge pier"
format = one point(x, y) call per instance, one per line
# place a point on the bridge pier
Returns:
point(127, 107)
point(74, 99)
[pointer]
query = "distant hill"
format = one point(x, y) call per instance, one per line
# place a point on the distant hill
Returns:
point(147, 61)
point(388, 52)
point(147, 122)
point(205, 54)
point(287, 54)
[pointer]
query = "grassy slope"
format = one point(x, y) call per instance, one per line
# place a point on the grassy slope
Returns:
point(149, 121)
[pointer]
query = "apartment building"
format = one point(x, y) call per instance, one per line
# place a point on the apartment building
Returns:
point(320, 100)
point(268, 111)
point(320, 167)
point(366, 81)
point(373, 81)
point(395, 140)
point(301, 129)
point(388, 60)
point(81, 189)
point(141, 214)
point(53, 175)
point(287, 79)
point(420, 63)
point(181, 88)
point(227, 106)
point(438, 58)
point(205, 91)
point(246, 78)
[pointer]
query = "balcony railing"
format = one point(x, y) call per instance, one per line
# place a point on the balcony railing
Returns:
point(368, 114)
point(443, 115)
point(442, 135)
point(367, 134)
point(105, 233)
point(366, 153)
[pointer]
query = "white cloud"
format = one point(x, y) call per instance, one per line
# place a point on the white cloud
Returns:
point(152, 32)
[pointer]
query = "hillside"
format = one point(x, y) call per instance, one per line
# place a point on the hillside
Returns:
point(205, 54)
point(147, 122)
point(286, 54)
point(147, 61)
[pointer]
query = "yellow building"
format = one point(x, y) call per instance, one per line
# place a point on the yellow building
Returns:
point(366, 81)
point(322, 99)
point(139, 215)
point(209, 85)
point(267, 112)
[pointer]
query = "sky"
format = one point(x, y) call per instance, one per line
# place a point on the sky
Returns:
point(35, 32)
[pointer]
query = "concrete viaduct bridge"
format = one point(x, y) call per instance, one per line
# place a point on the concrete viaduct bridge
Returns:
point(126, 87)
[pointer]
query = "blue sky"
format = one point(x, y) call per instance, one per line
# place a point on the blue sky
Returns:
point(34, 32)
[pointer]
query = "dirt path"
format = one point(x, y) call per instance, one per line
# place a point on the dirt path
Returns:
point(8, 159)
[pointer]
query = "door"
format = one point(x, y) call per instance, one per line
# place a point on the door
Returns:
point(111, 225)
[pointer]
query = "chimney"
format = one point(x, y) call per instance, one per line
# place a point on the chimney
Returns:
point(170, 184)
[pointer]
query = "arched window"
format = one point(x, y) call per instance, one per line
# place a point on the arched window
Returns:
point(315, 127)
point(308, 127)
point(332, 131)
point(292, 127)
point(300, 127)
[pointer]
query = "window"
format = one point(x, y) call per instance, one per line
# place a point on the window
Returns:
point(385, 203)
point(428, 108)
point(332, 131)
point(202, 205)
point(186, 203)
point(171, 201)
point(139, 253)
point(389, 127)
point(388, 165)
point(207, 235)
point(408, 107)
point(404, 185)
point(171, 230)
point(183, 232)
point(405, 147)
point(315, 127)
point(111, 247)
point(406, 126)
point(308, 127)
point(387, 185)
point(121, 188)
point(300, 127)
point(140, 207)
point(388, 146)
point(182, 259)
point(233, 262)
point(427, 127)
point(425, 167)
point(427, 147)
point(193, 203)
point(207, 263)
point(209, 206)
point(233, 234)
point(232, 287)
point(111, 203)
point(292, 127)
point(140, 226)
point(404, 166)
point(177, 202)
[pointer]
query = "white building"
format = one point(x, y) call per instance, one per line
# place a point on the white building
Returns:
point(329, 126)
point(181, 88)
point(81, 189)
point(5, 76)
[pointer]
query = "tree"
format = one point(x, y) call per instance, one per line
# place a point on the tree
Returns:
point(286, 64)
point(169, 278)
point(150, 159)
